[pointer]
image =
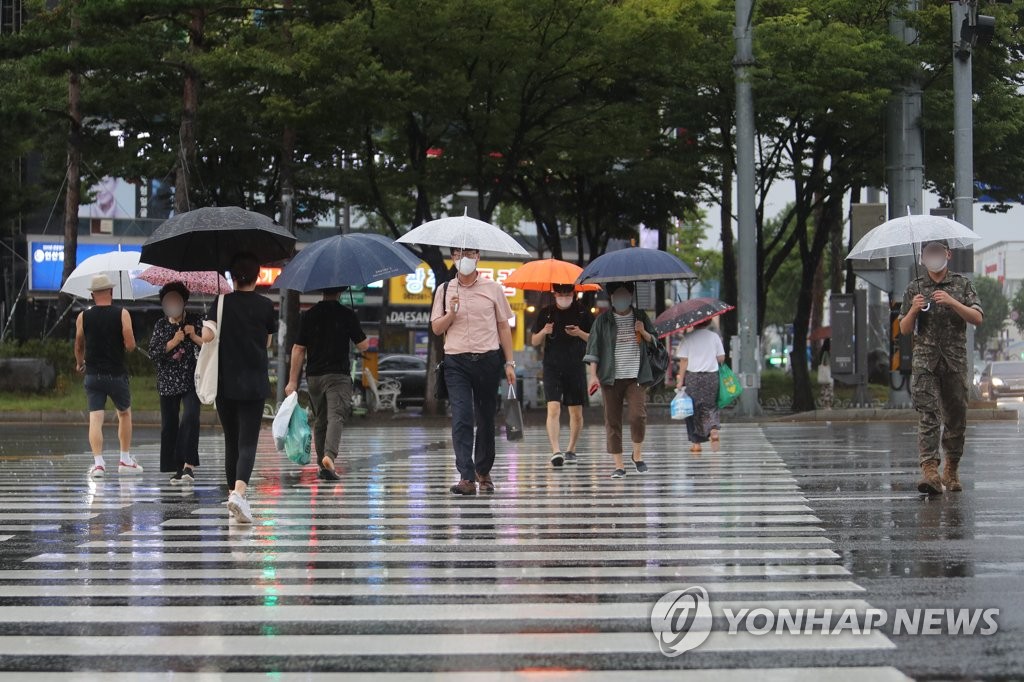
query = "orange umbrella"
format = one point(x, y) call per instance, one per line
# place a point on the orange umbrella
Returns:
point(540, 275)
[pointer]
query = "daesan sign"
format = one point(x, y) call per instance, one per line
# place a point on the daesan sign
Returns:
point(417, 288)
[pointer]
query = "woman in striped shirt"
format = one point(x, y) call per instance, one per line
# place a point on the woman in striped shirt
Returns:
point(619, 366)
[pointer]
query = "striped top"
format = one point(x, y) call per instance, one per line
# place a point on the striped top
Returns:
point(627, 350)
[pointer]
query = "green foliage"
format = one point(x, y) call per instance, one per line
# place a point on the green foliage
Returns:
point(688, 244)
point(1017, 306)
point(61, 354)
point(997, 310)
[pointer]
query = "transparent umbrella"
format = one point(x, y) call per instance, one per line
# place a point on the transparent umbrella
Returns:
point(904, 236)
point(122, 267)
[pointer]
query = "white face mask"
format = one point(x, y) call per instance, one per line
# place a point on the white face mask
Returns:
point(466, 266)
point(935, 264)
point(563, 302)
point(622, 303)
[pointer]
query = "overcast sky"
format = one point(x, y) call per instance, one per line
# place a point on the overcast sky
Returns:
point(992, 227)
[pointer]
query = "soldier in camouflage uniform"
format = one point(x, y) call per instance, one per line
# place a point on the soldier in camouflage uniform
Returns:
point(936, 310)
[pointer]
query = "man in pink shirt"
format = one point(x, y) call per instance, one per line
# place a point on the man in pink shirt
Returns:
point(473, 316)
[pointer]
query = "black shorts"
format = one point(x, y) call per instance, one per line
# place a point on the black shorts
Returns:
point(99, 387)
point(566, 385)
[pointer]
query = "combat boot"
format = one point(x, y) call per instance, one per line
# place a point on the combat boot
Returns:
point(930, 483)
point(950, 475)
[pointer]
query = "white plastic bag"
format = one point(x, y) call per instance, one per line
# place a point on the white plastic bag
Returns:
point(282, 419)
point(681, 406)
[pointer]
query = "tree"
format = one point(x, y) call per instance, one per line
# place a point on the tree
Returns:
point(688, 245)
point(997, 310)
point(1017, 309)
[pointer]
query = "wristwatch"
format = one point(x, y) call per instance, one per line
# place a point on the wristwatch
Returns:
point(510, 363)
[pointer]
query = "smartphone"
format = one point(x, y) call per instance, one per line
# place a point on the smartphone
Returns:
point(593, 389)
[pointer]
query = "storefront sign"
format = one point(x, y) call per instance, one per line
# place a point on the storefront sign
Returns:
point(46, 260)
point(409, 318)
point(417, 288)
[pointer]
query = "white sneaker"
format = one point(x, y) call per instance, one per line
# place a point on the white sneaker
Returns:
point(129, 467)
point(97, 471)
point(239, 508)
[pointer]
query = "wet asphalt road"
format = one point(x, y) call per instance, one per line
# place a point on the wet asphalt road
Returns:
point(908, 551)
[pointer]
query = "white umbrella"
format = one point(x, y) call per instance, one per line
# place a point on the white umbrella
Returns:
point(463, 232)
point(903, 237)
point(122, 267)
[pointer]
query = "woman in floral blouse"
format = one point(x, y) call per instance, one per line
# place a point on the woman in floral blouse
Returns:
point(174, 348)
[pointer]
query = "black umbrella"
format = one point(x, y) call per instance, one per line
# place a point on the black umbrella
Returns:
point(206, 239)
point(687, 314)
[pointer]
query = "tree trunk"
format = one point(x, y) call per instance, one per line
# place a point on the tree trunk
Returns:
point(73, 178)
point(730, 294)
point(189, 107)
point(803, 396)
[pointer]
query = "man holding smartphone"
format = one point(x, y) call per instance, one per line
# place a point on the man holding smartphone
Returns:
point(563, 329)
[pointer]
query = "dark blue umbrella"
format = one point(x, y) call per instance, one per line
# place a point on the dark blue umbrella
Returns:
point(346, 260)
point(635, 264)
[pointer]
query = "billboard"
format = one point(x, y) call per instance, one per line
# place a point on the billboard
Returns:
point(46, 260)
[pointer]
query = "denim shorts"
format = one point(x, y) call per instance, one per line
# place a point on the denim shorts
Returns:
point(99, 387)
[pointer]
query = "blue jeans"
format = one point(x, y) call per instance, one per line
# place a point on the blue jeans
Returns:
point(473, 380)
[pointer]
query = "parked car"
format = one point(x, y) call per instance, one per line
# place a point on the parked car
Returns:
point(1002, 379)
point(411, 373)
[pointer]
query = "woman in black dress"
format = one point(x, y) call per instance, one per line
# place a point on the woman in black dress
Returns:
point(174, 348)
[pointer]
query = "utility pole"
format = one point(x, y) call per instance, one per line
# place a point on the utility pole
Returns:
point(963, 137)
point(905, 177)
point(749, 363)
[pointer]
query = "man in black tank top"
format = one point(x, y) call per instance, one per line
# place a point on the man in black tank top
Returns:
point(103, 334)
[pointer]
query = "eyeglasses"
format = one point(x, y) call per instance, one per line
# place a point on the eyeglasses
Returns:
point(468, 253)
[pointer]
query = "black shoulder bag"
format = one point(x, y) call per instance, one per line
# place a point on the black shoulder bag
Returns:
point(657, 355)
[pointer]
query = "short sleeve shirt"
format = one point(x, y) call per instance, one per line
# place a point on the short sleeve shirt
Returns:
point(560, 348)
point(941, 334)
point(701, 348)
point(244, 366)
point(482, 305)
point(326, 330)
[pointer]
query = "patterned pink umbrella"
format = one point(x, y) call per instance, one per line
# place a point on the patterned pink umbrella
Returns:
point(196, 282)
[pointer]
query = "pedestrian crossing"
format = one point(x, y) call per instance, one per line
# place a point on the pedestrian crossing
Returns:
point(385, 575)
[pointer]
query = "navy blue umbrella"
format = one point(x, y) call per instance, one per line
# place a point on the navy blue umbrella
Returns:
point(346, 260)
point(635, 264)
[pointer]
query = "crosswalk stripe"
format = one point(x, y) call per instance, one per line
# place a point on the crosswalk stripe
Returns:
point(386, 571)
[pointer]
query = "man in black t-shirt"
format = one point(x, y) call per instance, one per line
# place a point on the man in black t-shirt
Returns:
point(563, 328)
point(324, 335)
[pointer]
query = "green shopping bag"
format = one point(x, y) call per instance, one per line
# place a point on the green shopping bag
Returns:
point(729, 387)
point(298, 440)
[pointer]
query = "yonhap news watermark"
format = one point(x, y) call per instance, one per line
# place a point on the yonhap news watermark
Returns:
point(682, 621)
